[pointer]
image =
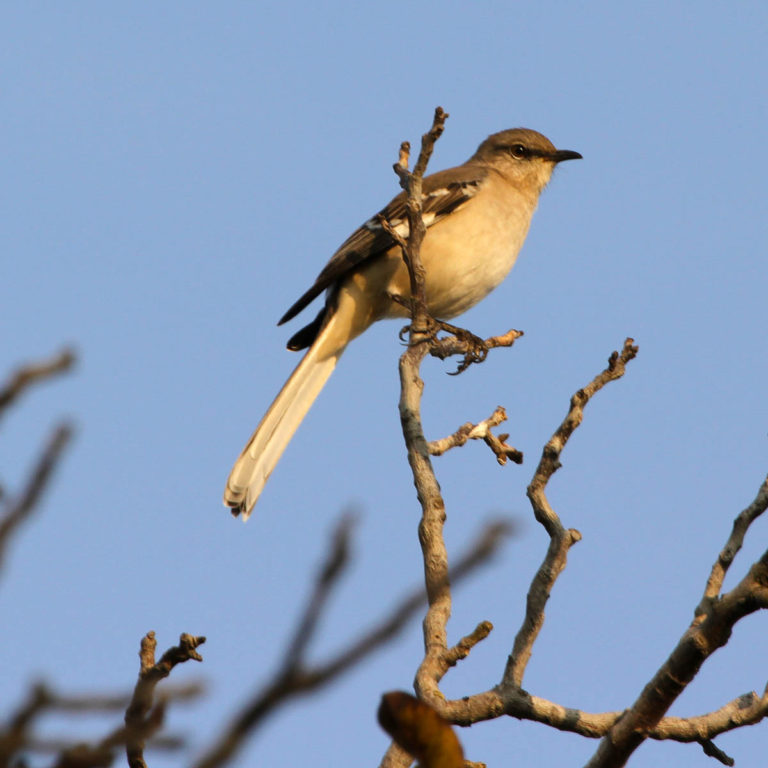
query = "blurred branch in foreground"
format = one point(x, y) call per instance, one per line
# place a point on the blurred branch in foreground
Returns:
point(18, 736)
point(27, 375)
point(296, 676)
point(144, 717)
point(16, 508)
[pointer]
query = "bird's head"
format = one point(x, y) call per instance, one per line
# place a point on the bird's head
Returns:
point(525, 157)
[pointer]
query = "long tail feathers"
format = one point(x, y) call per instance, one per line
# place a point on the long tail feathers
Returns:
point(269, 440)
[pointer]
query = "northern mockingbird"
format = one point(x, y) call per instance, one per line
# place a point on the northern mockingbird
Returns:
point(477, 216)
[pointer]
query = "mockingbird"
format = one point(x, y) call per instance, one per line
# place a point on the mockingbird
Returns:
point(477, 216)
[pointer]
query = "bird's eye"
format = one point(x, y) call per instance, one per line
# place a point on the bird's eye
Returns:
point(519, 151)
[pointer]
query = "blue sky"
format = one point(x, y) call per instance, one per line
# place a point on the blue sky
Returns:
point(176, 174)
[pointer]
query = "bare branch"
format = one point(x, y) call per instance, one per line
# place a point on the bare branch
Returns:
point(295, 677)
point(550, 458)
point(746, 709)
point(51, 700)
point(55, 746)
point(412, 183)
point(93, 702)
point(27, 375)
point(561, 540)
point(479, 553)
point(711, 750)
point(518, 703)
point(466, 644)
point(708, 632)
point(733, 545)
point(15, 511)
point(411, 386)
point(142, 719)
point(85, 756)
point(428, 141)
point(328, 576)
point(624, 731)
point(480, 431)
point(398, 238)
point(16, 735)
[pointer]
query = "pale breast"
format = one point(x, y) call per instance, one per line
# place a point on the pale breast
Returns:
point(465, 255)
point(469, 253)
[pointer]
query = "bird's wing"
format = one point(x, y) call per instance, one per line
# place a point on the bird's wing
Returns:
point(443, 193)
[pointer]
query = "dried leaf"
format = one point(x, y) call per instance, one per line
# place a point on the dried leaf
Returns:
point(420, 730)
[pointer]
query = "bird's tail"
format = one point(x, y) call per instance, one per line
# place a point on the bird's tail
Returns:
point(269, 440)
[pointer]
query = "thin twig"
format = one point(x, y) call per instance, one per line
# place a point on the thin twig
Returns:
point(480, 431)
point(34, 372)
point(712, 750)
point(142, 717)
point(466, 644)
point(56, 746)
point(733, 545)
point(561, 540)
point(15, 736)
point(330, 572)
point(15, 511)
point(708, 632)
point(550, 458)
point(295, 676)
point(435, 556)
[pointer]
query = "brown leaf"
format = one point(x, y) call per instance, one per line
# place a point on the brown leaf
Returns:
point(420, 730)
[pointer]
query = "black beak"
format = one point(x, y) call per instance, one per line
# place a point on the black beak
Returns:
point(565, 154)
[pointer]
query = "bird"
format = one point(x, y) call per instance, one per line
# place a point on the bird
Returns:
point(477, 216)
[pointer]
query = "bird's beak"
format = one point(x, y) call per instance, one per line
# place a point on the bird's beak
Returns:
point(565, 154)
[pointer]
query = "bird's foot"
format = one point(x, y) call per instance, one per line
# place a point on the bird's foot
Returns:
point(461, 342)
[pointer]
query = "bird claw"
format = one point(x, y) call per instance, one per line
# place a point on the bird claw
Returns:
point(476, 350)
point(461, 341)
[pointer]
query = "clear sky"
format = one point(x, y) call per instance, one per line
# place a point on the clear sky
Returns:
point(176, 174)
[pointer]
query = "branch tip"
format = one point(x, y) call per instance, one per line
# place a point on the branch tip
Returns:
point(712, 750)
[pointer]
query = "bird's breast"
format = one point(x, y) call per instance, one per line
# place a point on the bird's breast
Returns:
point(470, 252)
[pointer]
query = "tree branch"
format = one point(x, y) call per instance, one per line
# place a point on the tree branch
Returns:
point(710, 630)
point(27, 375)
point(411, 386)
point(561, 540)
point(15, 736)
point(744, 710)
point(142, 719)
point(480, 431)
point(295, 676)
point(733, 545)
point(16, 511)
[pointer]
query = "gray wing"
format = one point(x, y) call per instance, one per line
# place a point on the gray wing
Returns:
point(443, 192)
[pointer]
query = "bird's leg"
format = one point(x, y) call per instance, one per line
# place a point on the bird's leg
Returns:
point(427, 334)
point(432, 326)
